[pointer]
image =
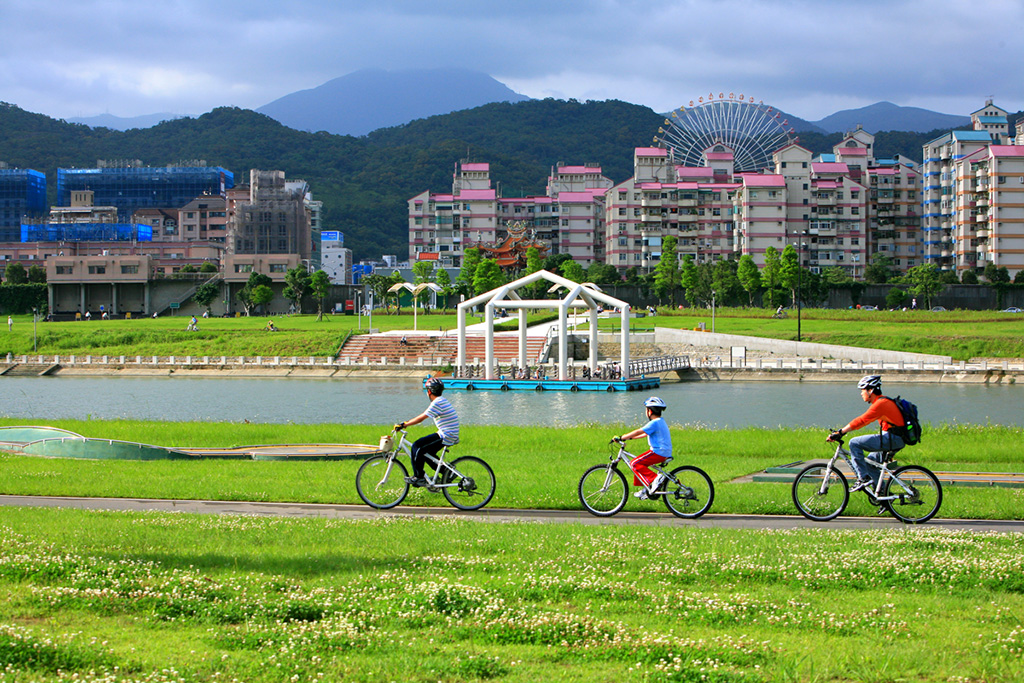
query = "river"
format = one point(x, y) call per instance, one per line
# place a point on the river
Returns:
point(373, 401)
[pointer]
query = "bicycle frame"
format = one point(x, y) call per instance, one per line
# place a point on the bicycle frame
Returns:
point(627, 459)
point(433, 483)
point(886, 473)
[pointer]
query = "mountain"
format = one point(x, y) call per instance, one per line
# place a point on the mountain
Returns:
point(123, 123)
point(365, 182)
point(888, 116)
point(366, 100)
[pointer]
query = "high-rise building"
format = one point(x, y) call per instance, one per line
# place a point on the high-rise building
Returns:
point(972, 189)
point(22, 198)
point(131, 186)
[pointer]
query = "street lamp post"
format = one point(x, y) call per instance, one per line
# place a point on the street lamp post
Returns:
point(35, 338)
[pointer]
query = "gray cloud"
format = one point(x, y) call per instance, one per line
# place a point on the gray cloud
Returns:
point(807, 58)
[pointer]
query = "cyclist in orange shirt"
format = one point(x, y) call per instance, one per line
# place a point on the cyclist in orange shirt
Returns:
point(889, 418)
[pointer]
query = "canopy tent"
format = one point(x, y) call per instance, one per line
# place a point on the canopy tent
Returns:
point(577, 296)
point(416, 291)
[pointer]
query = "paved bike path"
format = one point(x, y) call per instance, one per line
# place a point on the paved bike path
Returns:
point(356, 512)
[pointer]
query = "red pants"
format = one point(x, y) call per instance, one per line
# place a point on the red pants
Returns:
point(642, 473)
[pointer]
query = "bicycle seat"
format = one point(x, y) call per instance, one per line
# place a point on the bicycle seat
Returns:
point(884, 456)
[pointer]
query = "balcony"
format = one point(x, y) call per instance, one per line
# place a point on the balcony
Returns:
point(982, 233)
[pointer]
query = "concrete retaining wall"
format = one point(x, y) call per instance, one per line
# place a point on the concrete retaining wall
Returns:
point(793, 349)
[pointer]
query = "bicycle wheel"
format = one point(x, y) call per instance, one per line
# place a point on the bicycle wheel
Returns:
point(475, 481)
point(603, 490)
point(688, 492)
point(919, 491)
point(381, 483)
point(819, 498)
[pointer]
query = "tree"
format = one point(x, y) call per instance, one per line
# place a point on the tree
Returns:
point(423, 272)
point(206, 294)
point(245, 294)
point(444, 281)
point(208, 267)
point(749, 277)
point(603, 274)
point(1018, 279)
point(553, 263)
point(15, 274)
point(790, 271)
point(666, 274)
point(835, 276)
point(632, 276)
point(470, 261)
point(995, 274)
point(261, 295)
point(969, 277)
point(725, 282)
point(296, 286)
point(36, 274)
point(187, 268)
point(573, 271)
point(924, 282)
point(771, 276)
point(488, 276)
point(895, 298)
point(533, 264)
point(880, 270)
point(320, 282)
point(377, 283)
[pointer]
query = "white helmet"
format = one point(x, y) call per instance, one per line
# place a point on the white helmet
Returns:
point(654, 402)
point(870, 382)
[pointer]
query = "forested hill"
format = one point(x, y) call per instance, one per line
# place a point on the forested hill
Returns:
point(365, 182)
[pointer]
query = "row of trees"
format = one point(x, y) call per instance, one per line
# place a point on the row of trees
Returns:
point(17, 274)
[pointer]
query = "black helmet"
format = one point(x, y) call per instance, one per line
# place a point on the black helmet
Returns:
point(434, 386)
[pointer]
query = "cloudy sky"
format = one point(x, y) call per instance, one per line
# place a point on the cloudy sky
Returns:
point(77, 58)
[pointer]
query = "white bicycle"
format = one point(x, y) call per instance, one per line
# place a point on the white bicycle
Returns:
point(467, 482)
point(911, 493)
point(687, 491)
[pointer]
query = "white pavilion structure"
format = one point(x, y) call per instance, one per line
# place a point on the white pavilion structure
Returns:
point(576, 295)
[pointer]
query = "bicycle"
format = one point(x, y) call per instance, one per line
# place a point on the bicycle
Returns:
point(467, 482)
point(780, 315)
point(911, 493)
point(687, 491)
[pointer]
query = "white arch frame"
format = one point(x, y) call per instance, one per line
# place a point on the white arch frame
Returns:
point(578, 296)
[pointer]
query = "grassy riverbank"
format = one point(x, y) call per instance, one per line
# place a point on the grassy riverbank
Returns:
point(117, 597)
point(537, 467)
point(960, 334)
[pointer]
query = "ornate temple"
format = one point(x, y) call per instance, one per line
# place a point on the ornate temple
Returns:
point(511, 252)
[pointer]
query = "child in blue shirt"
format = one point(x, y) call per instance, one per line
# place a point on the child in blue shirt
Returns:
point(660, 441)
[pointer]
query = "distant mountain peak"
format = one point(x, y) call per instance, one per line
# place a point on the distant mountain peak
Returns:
point(373, 98)
point(891, 117)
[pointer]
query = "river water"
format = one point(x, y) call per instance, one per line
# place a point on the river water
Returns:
point(381, 401)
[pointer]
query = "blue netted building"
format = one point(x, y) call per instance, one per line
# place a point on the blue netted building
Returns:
point(22, 196)
point(143, 187)
point(86, 232)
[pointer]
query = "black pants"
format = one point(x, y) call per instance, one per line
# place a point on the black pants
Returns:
point(431, 443)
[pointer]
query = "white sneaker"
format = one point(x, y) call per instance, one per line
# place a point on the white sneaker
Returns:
point(641, 494)
point(862, 484)
point(658, 481)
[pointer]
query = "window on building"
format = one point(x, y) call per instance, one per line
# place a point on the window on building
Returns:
point(243, 267)
point(97, 270)
point(278, 268)
point(129, 270)
point(65, 270)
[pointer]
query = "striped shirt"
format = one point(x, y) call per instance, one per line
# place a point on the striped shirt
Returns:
point(446, 419)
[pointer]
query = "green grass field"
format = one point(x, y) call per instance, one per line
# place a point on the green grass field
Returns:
point(535, 467)
point(104, 596)
point(960, 334)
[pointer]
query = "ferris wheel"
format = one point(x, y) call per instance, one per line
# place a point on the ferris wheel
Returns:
point(750, 130)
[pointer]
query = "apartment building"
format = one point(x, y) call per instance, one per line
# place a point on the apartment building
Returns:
point(970, 197)
point(694, 205)
point(989, 215)
point(568, 218)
